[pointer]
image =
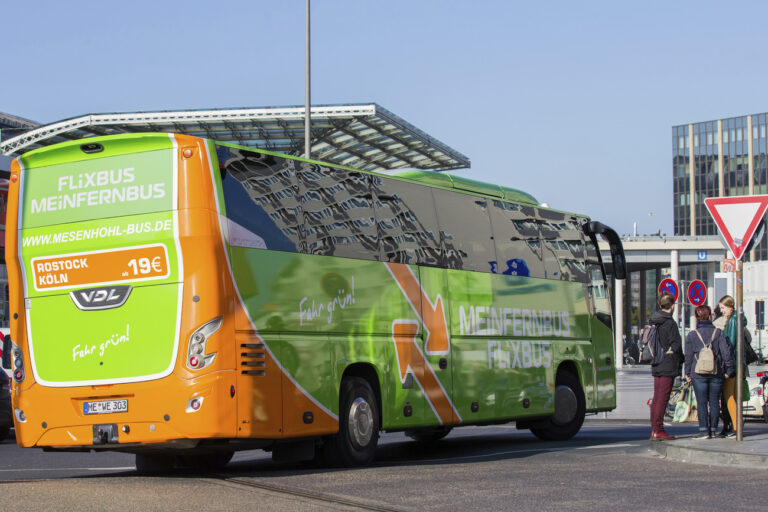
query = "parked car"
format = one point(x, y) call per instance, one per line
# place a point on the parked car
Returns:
point(6, 416)
point(754, 405)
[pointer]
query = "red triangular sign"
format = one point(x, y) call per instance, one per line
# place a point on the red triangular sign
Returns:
point(737, 218)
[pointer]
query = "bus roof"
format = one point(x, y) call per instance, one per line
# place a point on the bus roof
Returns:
point(38, 157)
point(478, 187)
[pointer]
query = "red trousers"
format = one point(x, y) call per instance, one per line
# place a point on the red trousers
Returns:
point(662, 387)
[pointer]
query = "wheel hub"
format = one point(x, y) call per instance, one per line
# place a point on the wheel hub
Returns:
point(360, 422)
point(566, 406)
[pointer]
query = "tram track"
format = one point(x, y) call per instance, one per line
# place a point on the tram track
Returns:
point(319, 497)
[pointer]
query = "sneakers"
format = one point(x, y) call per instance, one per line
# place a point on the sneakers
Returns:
point(727, 432)
point(661, 436)
point(702, 435)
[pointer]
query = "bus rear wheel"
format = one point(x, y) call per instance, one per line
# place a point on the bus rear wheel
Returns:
point(570, 409)
point(355, 444)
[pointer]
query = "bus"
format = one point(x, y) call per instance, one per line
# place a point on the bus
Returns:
point(182, 299)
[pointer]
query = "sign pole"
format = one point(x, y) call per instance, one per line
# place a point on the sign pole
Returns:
point(682, 319)
point(739, 350)
point(738, 218)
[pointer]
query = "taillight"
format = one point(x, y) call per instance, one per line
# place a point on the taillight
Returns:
point(194, 404)
point(761, 374)
point(197, 359)
point(18, 366)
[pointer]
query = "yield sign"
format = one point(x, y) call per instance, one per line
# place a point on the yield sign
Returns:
point(737, 218)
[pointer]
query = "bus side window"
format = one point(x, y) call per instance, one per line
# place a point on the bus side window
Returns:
point(599, 295)
point(563, 243)
point(260, 199)
point(407, 222)
point(337, 210)
point(516, 237)
point(465, 229)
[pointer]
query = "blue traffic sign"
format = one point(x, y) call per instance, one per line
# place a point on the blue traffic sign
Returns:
point(697, 293)
point(669, 286)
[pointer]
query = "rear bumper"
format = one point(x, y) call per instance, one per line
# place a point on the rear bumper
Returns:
point(158, 413)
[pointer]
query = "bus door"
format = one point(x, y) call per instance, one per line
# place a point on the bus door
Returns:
point(599, 302)
point(435, 340)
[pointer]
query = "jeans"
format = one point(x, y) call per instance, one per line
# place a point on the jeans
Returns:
point(707, 389)
point(662, 387)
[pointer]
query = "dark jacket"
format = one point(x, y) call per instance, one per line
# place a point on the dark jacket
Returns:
point(720, 348)
point(669, 337)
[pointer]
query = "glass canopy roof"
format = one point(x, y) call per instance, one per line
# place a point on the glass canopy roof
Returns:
point(364, 136)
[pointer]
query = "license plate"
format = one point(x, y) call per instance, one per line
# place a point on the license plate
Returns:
point(105, 406)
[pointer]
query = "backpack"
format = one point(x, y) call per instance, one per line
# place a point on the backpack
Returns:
point(705, 362)
point(652, 351)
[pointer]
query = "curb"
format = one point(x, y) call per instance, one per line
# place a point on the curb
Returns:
point(681, 453)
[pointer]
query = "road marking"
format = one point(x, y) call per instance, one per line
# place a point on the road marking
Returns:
point(512, 452)
point(615, 445)
point(69, 469)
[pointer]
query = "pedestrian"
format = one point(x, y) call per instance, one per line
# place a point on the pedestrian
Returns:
point(707, 387)
point(727, 306)
point(664, 373)
point(719, 322)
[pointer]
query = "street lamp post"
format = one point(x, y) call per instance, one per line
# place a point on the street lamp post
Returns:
point(307, 122)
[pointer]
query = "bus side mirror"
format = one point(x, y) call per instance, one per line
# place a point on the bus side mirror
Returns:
point(619, 261)
point(7, 346)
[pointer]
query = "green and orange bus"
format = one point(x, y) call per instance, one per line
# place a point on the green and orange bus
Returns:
point(182, 299)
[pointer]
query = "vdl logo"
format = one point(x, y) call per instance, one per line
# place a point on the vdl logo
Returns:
point(104, 297)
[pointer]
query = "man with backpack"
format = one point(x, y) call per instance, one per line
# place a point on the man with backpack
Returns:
point(665, 371)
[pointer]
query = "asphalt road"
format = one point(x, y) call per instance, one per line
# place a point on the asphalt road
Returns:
point(607, 466)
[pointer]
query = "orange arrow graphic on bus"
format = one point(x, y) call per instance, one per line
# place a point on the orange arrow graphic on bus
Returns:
point(411, 360)
point(431, 315)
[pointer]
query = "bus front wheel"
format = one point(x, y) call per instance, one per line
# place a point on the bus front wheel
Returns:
point(570, 408)
point(355, 444)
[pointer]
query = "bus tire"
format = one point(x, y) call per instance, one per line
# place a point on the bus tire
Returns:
point(355, 444)
point(431, 435)
point(570, 408)
point(206, 461)
point(154, 463)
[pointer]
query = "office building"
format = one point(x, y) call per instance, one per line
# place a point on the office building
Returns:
point(719, 158)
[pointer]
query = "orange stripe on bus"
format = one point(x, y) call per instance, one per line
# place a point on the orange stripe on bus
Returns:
point(405, 336)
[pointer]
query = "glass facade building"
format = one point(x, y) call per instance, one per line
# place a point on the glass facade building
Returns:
point(725, 157)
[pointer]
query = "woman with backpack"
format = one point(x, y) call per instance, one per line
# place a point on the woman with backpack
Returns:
point(664, 373)
point(708, 363)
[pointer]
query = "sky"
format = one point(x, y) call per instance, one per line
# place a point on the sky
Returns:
point(572, 102)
